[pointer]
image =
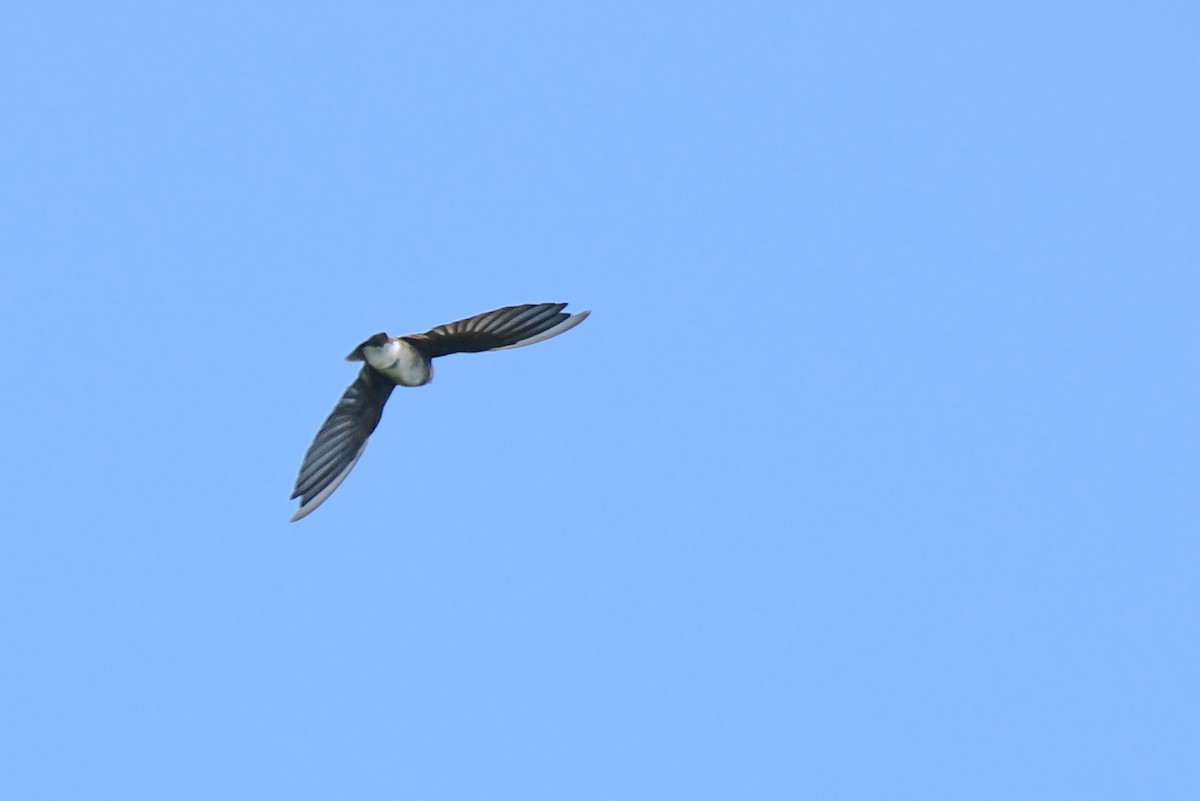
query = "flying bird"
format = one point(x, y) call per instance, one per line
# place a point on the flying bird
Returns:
point(408, 362)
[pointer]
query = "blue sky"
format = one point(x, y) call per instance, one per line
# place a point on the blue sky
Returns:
point(872, 475)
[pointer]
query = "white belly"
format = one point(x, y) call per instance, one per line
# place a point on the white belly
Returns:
point(400, 362)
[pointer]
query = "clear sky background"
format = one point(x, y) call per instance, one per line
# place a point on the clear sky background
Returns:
point(872, 476)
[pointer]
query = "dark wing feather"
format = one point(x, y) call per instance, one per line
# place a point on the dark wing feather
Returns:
point(342, 439)
point(510, 327)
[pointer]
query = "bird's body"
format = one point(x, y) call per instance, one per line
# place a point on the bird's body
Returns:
point(407, 361)
point(399, 360)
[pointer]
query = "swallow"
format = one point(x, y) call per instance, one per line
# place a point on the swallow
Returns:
point(407, 361)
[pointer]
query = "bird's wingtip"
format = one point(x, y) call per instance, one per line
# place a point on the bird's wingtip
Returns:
point(312, 503)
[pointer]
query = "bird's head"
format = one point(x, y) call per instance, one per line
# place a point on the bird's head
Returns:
point(376, 341)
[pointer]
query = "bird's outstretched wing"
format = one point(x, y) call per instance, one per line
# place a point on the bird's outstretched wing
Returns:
point(510, 327)
point(341, 440)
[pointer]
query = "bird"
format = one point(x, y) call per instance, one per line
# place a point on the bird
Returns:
point(407, 361)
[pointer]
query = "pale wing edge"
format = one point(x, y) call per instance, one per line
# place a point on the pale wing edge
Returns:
point(560, 328)
point(320, 498)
